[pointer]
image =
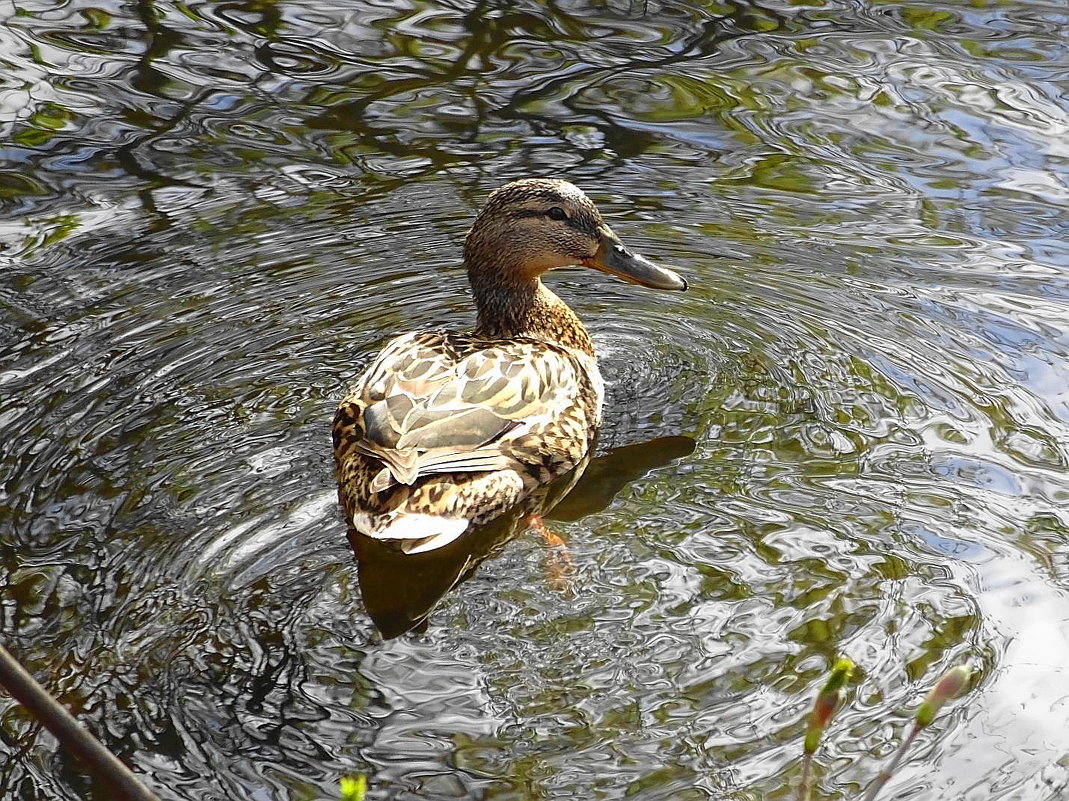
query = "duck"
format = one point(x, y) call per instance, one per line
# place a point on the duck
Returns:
point(445, 431)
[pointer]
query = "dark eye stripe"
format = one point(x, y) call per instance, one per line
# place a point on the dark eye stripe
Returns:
point(580, 223)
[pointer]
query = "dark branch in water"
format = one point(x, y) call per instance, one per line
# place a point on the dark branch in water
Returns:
point(70, 733)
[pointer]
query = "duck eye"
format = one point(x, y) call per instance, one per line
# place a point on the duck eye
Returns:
point(557, 213)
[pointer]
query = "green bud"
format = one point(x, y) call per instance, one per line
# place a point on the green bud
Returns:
point(840, 674)
point(826, 703)
point(950, 685)
point(353, 788)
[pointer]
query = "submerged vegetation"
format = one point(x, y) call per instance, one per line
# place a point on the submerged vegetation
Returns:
point(119, 780)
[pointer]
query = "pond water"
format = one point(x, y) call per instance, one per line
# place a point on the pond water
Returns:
point(850, 437)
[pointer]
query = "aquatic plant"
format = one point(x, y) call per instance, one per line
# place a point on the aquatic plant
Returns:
point(824, 709)
point(950, 685)
point(353, 788)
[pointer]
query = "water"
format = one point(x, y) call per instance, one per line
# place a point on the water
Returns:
point(851, 436)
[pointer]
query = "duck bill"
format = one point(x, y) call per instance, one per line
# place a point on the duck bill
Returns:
point(615, 259)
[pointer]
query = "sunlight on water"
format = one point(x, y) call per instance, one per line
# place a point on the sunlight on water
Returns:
point(851, 436)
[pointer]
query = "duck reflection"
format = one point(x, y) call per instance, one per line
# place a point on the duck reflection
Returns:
point(401, 590)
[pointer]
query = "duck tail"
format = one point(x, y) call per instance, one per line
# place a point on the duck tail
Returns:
point(419, 532)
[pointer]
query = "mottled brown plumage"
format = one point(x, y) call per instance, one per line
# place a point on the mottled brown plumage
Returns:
point(444, 430)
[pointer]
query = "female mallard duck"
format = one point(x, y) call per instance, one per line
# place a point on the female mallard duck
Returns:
point(445, 431)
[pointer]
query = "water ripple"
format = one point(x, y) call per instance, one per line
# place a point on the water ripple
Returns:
point(214, 214)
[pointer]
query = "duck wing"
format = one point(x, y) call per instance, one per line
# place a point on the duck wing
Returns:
point(439, 403)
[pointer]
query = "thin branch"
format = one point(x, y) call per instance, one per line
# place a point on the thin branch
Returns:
point(70, 733)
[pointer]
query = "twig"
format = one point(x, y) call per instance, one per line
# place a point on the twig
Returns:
point(70, 733)
point(885, 775)
point(824, 709)
point(804, 784)
point(950, 685)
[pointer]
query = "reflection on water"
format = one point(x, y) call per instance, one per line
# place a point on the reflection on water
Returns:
point(400, 590)
point(213, 214)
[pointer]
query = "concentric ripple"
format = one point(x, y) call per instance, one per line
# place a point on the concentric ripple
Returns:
point(851, 436)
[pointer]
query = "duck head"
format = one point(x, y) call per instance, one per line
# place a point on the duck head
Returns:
point(537, 224)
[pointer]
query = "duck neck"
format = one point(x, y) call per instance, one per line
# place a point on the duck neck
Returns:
point(513, 306)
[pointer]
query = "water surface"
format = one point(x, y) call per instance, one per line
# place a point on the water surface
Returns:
point(213, 214)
